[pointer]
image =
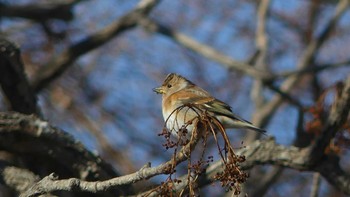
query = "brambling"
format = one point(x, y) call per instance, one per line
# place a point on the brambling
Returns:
point(179, 93)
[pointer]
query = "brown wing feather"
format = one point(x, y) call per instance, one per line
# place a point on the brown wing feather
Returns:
point(198, 96)
point(211, 104)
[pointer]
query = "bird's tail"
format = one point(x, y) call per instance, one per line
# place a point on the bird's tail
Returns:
point(252, 127)
point(236, 122)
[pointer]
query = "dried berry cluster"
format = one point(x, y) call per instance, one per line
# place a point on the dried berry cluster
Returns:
point(232, 176)
point(205, 125)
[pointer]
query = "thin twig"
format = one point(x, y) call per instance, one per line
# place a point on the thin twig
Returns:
point(314, 69)
point(316, 182)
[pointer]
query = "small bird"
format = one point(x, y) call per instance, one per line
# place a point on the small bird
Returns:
point(179, 93)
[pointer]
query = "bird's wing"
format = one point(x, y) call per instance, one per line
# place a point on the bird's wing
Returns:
point(203, 99)
point(218, 107)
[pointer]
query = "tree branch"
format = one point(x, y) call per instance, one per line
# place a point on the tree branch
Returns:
point(267, 152)
point(261, 42)
point(51, 184)
point(13, 79)
point(33, 139)
point(316, 182)
point(314, 69)
point(59, 64)
point(19, 179)
point(204, 50)
point(336, 118)
point(262, 118)
point(40, 12)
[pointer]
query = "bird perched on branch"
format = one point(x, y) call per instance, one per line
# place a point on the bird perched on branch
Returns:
point(183, 101)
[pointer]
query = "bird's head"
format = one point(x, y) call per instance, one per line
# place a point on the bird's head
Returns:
point(173, 83)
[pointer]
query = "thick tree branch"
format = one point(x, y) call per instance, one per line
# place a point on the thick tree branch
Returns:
point(336, 118)
point(40, 12)
point(13, 79)
point(267, 152)
point(20, 179)
point(51, 184)
point(260, 152)
point(33, 139)
point(59, 64)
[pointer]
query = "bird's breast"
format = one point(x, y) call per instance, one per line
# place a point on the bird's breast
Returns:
point(177, 117)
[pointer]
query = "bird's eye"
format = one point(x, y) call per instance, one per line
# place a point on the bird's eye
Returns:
point(169, 85)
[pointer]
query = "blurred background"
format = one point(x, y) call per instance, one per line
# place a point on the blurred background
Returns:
point(104, 97)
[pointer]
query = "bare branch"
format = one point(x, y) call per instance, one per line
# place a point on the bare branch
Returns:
point(314, 69)
point(204, 50)
point(51, 184)
point(13, 80)
point(59, 64)
point(40, 12)
point(289, 98)
point(337, 117)
point(35, 139)
point(17, 178)
point(316, 182)
point(268, 152)
point(261, 42)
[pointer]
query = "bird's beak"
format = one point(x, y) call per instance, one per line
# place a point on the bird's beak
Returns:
point(159, 90)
